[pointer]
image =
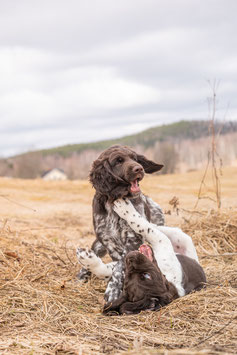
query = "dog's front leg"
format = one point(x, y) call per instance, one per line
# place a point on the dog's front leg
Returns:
point(94, 264)
point(99, 250)
point(162, 246)
point(115, 285)
point(182, 242)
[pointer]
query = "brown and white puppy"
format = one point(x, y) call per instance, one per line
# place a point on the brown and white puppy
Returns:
point(154, 276)
point(116, 174)
point(151, 284)
point(146, 288)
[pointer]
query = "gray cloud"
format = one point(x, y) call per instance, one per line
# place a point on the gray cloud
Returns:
point(81, 71)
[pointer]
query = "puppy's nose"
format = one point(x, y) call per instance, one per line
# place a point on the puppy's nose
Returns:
point(138, 169)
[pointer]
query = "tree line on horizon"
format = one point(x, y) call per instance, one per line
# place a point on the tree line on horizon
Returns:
point(180, 146)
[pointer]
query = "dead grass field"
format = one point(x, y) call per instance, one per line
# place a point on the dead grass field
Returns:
point(43, 310)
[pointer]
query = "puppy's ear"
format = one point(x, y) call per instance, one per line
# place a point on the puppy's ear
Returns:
point(148, 165)
point(101, 176)
point(105, 181)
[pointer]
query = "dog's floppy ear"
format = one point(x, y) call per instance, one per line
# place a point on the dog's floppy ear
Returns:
point(148, 165)
point(105, 182)
point(101, 176)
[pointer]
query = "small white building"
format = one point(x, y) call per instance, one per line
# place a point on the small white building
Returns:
point(54, 175)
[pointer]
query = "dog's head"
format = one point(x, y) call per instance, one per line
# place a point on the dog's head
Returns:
point(117, 172)
point(145, 287)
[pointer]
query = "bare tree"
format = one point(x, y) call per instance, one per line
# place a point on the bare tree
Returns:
point(168, 156)
point(214, 162)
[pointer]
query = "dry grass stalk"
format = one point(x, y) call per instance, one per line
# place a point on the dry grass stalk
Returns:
point(43, 310)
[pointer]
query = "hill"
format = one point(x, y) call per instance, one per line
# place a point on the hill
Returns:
point(178, 131)
point(180, 146)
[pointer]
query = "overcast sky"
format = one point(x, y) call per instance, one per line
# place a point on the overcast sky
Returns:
point(76, 71)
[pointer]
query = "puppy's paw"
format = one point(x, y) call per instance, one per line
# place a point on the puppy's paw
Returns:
point(87, 258)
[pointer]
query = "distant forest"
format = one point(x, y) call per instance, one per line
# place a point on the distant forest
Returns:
point(180, 146)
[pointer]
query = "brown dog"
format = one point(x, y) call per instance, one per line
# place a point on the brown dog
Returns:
point(146, 288)
point(115, 174)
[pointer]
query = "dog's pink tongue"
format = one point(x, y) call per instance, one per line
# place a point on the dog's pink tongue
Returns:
point(134, 186)
point(146, 250)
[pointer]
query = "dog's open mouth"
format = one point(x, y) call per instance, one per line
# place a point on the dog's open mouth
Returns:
point(146, 250)
point(135, 188)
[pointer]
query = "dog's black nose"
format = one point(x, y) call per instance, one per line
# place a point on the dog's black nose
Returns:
point(138, 169)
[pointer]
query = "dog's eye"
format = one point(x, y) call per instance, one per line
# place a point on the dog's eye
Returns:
point(119, 160)
point(146, 276)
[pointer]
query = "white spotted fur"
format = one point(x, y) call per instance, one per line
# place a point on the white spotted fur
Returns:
point(93, 263)
point(181, 242)
point(165, 242)
point(161, 245)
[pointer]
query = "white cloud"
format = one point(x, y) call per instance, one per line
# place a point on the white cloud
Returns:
point(33, 95)
point(81, 71)
point(101, 89)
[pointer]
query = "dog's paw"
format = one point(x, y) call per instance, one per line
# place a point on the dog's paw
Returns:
point(87, 258)
point(124, 208)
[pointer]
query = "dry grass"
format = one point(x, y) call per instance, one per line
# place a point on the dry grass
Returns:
point(43, 310)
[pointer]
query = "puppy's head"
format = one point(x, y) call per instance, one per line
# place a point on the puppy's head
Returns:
point(145, 287)
point(143, 278)
point(117, 172)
